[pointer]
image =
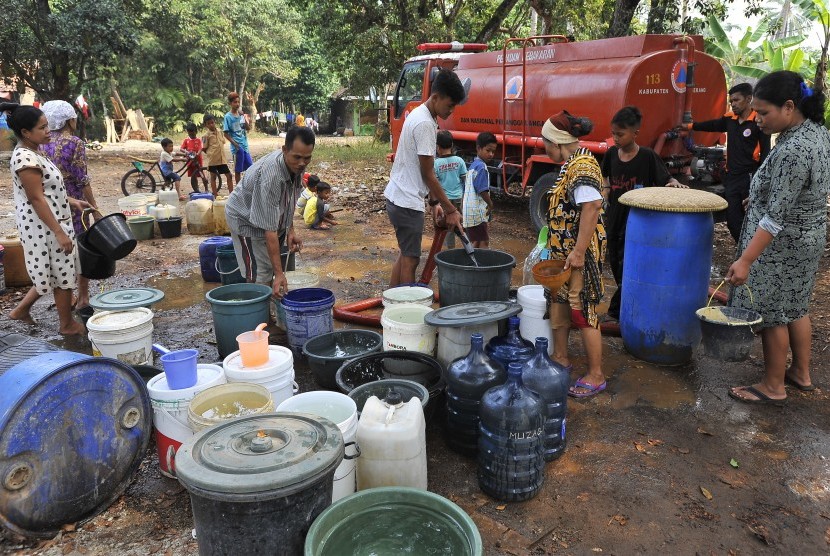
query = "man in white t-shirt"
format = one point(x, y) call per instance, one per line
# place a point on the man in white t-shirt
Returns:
point(413, 176)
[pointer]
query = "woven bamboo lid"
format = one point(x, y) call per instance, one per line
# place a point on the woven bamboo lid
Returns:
point(672, 199)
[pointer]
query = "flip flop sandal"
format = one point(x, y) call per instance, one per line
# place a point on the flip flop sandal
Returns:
point(763, 399)
point(798, 385)
point(590, 389)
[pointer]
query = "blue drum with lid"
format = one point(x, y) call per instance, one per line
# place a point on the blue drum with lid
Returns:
point(73, 431)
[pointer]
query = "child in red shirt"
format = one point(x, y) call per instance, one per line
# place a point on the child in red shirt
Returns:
point(192, 147)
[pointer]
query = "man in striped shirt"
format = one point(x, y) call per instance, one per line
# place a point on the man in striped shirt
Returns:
point(260, 210)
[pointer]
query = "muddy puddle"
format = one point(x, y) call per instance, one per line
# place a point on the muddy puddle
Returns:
point(180, 290)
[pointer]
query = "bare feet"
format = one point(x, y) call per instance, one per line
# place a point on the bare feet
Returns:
point(73, 329)
point(26, 317)
point(324, 227)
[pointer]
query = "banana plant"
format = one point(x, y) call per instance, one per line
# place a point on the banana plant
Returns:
point(746, 52)
point(776, 58)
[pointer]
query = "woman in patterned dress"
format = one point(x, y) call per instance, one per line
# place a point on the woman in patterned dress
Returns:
point(784, 233)
point(576, 235)
point(43, 218)
point(68, 153)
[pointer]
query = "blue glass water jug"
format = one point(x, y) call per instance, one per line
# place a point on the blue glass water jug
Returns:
point(550, 380)
point(468, 378)
point(511, 455)
point(511, 347)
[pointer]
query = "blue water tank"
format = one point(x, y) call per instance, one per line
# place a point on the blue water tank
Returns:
point(668, 257)
point(73, 431)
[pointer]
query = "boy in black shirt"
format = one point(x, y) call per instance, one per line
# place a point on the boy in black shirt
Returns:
point(626, 166)
point(746, 149)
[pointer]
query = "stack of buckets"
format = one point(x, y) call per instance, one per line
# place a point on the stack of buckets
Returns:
point(275, 372)
point(533, 323)
point(170, 412)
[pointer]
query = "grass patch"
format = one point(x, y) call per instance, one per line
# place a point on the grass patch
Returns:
point(350, 150)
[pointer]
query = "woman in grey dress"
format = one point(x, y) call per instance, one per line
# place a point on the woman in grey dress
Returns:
point(784, 233)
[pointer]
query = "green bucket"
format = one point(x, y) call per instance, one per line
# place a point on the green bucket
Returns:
point(237, 308)
point(141, 226)
point(393, 520)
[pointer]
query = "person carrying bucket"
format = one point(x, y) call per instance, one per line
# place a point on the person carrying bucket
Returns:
point(784, 234)
point(577, 236)
point(260, 211)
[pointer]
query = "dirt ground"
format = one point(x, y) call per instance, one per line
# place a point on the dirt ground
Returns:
point(663, 462)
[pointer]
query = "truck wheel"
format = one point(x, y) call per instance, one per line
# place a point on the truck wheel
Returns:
point(539, 200)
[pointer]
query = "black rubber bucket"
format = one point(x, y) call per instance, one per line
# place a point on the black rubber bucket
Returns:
point(728, 332)
point(170, 227)
point(94, 264)
point(112, 236)
point(460, 281)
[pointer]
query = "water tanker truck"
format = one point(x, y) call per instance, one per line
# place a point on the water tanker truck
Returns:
point(512, 91)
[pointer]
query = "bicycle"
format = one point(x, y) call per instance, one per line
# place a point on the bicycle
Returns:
point(141, 180)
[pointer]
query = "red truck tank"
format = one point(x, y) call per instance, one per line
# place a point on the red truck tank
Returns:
point(511, 92)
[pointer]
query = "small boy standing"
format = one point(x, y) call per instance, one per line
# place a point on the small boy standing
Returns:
point(450, 171)
point(166, 160)
point(626, 166)
point(235, 127)
point(317, 213)
point(217, 157)
point(192, 149)
point(310, 181)
point(478, 206)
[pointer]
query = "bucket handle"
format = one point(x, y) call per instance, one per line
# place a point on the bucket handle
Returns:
point(170, 457)
point(295, 386)
point(356, 450)
point(722, 282)
point(216, 266)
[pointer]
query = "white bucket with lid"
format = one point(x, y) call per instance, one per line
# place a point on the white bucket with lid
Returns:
point(277, 375)
point(404, 328)
point(123, 335)
point(341, 410)
point(533, 323)
point(454, 342)
point(170, 412)
point(133, 205)
point(408, 294)
point(296, 279)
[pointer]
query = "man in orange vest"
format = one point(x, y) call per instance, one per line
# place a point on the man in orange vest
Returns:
point(746, 147)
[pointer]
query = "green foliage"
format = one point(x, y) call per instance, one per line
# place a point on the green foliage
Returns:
point(310, 91)
point(55, 47)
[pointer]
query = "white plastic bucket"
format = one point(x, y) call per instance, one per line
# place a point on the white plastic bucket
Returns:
point(296, 279)
point(123, 335)
point(277, 375)
point(408, 294)
point(133, 205)
point(404, 328)
point(170, 412)
point(533, 323)
point(340, 409)
point(454, 342)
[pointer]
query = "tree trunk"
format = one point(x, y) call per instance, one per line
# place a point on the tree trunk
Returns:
point(495, 20)
point(621, 22)
point(821, 69)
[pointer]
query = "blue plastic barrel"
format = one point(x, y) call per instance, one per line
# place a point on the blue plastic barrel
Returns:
point(73, 431)
point(307, 315)
point(668, 257)
point(207, 257)
point(237, 308)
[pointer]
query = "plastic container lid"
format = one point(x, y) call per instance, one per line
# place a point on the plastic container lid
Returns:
point(113, 321)
point(671, 199)
point(280, 360)
point(468, 314)
point(279, 451)
point(129, 298)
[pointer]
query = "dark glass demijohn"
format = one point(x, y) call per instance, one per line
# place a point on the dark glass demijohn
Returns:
point(550, 380)
point(468, 378)
point(511, 347)
point(511, 458)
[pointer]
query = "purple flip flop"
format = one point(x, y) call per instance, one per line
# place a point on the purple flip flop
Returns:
point(591, 389)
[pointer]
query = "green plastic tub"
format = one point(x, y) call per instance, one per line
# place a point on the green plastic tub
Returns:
point(141, 227)
point(393, 520)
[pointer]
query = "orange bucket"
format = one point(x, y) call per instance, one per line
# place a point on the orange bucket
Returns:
point(253, 347)
point(550, 273)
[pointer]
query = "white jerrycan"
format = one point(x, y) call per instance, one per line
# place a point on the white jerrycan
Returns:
point(392, 440)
